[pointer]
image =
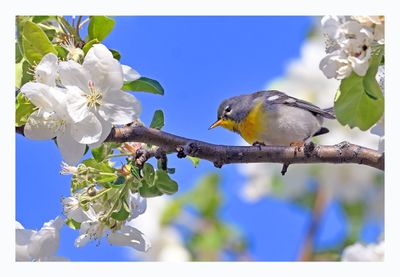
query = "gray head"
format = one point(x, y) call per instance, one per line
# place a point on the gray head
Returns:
point(233, 110)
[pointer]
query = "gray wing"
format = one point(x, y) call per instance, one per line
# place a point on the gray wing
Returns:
point(277, 97)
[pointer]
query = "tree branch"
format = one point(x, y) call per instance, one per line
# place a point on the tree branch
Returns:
point(343, 152)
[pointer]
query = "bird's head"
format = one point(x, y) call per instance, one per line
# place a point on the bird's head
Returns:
point(232, 111)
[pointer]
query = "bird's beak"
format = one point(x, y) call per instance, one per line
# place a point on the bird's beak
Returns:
point(216, 124)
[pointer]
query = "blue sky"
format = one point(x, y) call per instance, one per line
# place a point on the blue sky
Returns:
point(199, 61)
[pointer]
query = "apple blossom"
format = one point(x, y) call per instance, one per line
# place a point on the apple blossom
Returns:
point(52, 120)
point(95, 97)
point(349, 41)
point(39, 245)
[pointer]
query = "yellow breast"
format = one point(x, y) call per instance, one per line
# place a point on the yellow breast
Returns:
point(253, 125)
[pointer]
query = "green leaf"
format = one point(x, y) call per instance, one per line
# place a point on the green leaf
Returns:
point(119, 181)
point(21, 73)
point(38, 19)
point(135, 172)
point(194, 160)
point(147, 191)
point(35, 43)
point(100, 26)
point(106, 178)
point(89, 45)
point(18, 53)
point(62, 52)
point(73, 224)
point(115, 54)
point(23, 109)
point(145, 85)
point(101, 153)
point(164, 183)
point(101, 166)
point(359, 101)
point(158, 120)
point(86, 150)
point(50, 33)
point(148, 174)
point(123, 212)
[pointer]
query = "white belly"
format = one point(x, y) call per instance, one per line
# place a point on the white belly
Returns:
point(287, 124)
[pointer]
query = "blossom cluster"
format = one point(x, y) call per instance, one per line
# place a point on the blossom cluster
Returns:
point(93, 209)
point(349, 44)
point(79, 103)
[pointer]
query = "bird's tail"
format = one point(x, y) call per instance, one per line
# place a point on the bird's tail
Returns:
point(329, 113)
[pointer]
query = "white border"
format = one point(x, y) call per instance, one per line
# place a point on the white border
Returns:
point(204, 7)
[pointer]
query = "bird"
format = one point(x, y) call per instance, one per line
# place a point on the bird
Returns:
point(271, 117)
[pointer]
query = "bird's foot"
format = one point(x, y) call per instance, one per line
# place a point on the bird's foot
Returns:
point(297, 145)
point(258, 144)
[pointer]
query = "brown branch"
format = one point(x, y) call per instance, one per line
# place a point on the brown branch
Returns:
point(343, 152)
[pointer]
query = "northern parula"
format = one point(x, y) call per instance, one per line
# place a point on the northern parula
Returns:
point(272, 117)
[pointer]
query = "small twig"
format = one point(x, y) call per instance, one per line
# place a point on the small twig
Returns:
point(284, 168)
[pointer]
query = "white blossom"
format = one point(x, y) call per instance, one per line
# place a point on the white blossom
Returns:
point(129, 236)
point(91, 229)
point(52, 119)
point(95, 98)
point(364, 253)
point(94, 228)
point(349, 41)
point(74, 53)
point(67, 169)
point(137, 205)
point(73, 209)
point(39, 245)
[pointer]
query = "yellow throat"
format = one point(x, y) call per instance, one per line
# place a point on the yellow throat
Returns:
point(251, 127)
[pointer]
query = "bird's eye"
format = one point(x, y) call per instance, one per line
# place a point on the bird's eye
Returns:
point(227, 109)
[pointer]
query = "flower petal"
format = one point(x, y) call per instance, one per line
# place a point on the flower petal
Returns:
point(137, 204)
point(82, 240)
point(87, 131)
point(37, 94)
point(119, 107)
point(129, 236)
point(46, 70)
point(71, 150)
point(73, 210)
point(45, 242)
point(105, 131)
point(105, 71)
point(39, 127)
point(22, 240)
point(330, 25)
point(129, 73)
point(74, 74)
point(328, 66)
point(360, 66)
point(76, 104)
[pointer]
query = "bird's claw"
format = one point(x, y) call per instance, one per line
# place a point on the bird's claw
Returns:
point(259, 144)
point(297, 145)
